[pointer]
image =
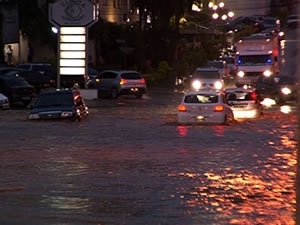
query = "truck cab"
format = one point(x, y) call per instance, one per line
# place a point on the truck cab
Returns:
point(257, 55)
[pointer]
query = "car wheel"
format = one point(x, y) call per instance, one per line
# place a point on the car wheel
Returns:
point(226, 121)
point(114, 93)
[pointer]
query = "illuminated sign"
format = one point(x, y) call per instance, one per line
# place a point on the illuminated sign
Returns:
point(72, 13)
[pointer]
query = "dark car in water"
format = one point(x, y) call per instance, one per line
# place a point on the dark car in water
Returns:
point(281, 88)
point(17, 89)
point(58, 104)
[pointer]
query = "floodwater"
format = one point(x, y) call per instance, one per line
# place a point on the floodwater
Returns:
point(135, 166)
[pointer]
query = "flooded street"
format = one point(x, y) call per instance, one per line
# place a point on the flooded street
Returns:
point(130, 163)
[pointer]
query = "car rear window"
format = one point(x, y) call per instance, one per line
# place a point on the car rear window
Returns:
point(201, 98)
point(131, 76)
point(241, 96)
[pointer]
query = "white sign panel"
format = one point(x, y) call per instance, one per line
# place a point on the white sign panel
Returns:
point(72, 13)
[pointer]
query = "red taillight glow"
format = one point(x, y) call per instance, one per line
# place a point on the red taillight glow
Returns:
point(219, 108)
point(123, 81)
point(143, 81)
point(253, 95)
point(181, 108)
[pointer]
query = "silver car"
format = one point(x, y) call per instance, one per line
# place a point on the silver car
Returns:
point(205, 78)
point(114, 83)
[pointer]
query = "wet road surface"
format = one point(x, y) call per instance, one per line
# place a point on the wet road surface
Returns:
point(130, 163)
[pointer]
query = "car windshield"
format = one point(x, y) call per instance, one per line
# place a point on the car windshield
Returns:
point(131, 76)
point(215, 64)
point(201, 98)
point(62, 99)
point(206, 74)
point(254, 59)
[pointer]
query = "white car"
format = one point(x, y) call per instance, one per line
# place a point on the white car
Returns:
point(204, 107)
point(244, 103)
point(4, 102)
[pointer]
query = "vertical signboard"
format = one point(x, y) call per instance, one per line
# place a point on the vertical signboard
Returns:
point(72, 18)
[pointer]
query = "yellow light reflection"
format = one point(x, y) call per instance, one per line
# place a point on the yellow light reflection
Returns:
point(242, 197)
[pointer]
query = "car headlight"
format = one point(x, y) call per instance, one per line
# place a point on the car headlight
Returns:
point(33, 116)
point(267, 73)
point(66, 114)
point(286, 91)
point(218, 85)
point(196, 84)
point(241, 74)
point(281, 34)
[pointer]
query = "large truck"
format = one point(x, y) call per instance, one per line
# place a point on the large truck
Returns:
point(257, 55)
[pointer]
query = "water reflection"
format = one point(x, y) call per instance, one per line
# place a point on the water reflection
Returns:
point(265, 195)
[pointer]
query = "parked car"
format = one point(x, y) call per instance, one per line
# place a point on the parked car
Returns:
point(4, 102)
point(58, 104)
point(114, 83)
point(42, 68)
point(280, 87)
point(36, 79)
point(17, 89)
point(204, 107)
point(244, 103)
point(205, 78)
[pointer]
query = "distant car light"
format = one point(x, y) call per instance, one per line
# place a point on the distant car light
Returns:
point(218, 85)
point(241, 74)
point(286, 109)
point(196, 84)
point(281, 34)
point(286, 91)
point(267, 73)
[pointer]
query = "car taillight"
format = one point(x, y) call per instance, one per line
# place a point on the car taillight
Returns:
point(254, 95)
point(182, 108)
point(219, 108)
point(123, 81)
point(143, 81)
